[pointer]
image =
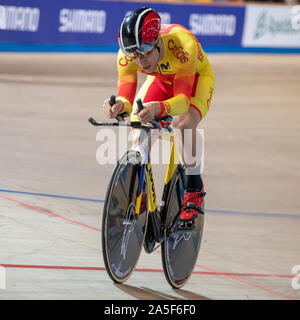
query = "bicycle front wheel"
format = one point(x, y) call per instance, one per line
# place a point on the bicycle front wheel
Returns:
point(181, 247)
point(123, 231)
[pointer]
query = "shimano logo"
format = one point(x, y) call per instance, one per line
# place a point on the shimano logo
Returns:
point(85, 21)
point(19, 18)
point(2, 18)
point(213, 24)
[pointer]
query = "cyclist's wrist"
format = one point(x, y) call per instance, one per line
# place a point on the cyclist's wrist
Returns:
point(126, 105)
point(122, 106)
point(162, 109)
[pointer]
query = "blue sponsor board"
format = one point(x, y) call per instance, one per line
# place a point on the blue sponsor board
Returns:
point(93, 23)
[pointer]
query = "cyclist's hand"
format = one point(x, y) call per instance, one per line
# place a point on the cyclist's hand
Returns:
point(151, 109)
point(112, 111)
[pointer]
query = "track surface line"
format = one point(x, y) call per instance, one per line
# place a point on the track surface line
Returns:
point(248, 283)
point(218, 211)
point(50, 213)
point(213, 273)
point(98, 230)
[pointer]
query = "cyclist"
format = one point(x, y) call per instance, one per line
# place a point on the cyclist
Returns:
point(179, 83)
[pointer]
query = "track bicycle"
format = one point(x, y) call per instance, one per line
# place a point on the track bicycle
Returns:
point(132, 219)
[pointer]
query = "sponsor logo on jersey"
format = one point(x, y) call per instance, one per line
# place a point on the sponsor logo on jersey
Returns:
point(123, 62)
point(200, 53)
point(178, 52)
point(209, 98)
point(167, 107)
point(165, 66)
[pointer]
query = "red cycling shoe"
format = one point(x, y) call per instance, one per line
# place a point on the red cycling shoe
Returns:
point(192, 205)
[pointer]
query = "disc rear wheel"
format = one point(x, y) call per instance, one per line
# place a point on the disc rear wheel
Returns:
point(181, 246)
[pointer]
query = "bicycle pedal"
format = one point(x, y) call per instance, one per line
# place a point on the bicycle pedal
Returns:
point(149, 245)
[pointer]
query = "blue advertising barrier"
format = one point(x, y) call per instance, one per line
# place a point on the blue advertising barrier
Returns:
point(92, 25)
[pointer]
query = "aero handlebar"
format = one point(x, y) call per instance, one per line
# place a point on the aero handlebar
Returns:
point(154, 124)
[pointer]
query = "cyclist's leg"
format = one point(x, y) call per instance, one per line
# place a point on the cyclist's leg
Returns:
point(190, 148)
point(188, 121)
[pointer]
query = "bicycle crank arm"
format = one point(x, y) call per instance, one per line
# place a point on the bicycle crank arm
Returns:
point(156, 226)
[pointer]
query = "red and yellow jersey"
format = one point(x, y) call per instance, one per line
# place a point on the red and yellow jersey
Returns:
point(183, 61)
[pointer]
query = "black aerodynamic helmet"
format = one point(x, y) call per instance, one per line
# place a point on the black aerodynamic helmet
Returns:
point(139, 32)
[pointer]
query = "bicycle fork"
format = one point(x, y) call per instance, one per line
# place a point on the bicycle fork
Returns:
point(154, 217)
point(154, 232)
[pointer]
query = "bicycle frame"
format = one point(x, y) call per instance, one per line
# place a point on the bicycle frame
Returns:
point(147, 170)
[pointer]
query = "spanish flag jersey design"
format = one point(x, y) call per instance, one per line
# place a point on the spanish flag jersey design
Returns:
point(183, 78)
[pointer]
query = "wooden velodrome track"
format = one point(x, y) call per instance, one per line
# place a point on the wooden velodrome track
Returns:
point(52, 188)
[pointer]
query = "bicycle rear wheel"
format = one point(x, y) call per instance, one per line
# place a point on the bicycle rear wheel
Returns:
point(123, 231)
point(181, 247)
